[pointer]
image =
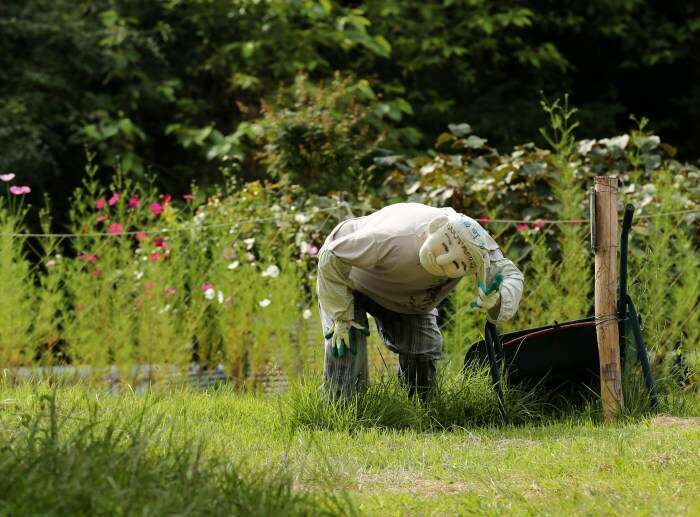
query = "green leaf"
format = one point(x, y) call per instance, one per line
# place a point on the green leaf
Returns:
point(201, 135)
point(326, 5)
point(109, 18)
point(247, 49)
point(91, 132)
point(365, 89)
point(383, 45)
point(403, 105)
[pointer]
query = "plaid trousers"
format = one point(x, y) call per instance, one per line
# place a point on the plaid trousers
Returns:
point(415, 337)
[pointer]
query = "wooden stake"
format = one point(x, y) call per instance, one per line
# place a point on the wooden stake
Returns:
point(606, 284)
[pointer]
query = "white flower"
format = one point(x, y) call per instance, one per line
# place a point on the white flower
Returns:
point(250, 257)
point(249, 243)
point(164, 309)
point(272, 271)
point(233, 265)
point(304, 247)
point(264, 303)
point(210, 293)
point(301, 218)
point(50, 263)
point(306, 314)
point(220, 297)
point(138, 275)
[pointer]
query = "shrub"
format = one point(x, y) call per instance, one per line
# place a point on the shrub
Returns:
point(317, 136)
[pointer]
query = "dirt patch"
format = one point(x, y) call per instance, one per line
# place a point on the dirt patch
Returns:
point(692, 422)
point(406, 482)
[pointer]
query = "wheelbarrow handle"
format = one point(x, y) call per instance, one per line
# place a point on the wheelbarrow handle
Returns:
point(624, 237)
point(491, 338)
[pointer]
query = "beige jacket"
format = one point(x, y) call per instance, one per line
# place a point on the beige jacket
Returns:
point(377, 255)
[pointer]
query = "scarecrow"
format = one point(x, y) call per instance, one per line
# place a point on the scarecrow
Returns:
point(397, 264)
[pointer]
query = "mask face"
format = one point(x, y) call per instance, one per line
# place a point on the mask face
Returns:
point(442, 254)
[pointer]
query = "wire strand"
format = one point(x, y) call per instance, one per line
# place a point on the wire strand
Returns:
point(190, 226)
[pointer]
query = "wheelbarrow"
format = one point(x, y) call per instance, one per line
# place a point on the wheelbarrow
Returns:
point(563, 356)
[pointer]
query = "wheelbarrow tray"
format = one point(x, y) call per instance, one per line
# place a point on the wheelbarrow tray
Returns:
point(552, 355)
point(562, 356)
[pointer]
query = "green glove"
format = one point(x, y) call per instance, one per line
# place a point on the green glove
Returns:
point(343, 337)
point(485, 293)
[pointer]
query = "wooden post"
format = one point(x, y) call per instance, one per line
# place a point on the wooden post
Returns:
point(606, 284)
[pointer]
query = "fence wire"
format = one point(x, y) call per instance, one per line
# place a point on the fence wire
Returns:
point(190, 226)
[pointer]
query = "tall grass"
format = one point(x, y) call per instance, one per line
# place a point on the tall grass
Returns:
point(666, 284)
point(572, 274)
point(62, 462)
point(17, 298)
point(455, 401)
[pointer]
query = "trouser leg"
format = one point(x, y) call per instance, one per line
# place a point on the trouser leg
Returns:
point(417, 372)
point(345, 376)
point(416, 339)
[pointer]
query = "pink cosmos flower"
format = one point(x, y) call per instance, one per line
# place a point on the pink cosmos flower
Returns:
point(167, 198)
point(313, 250)
point(156, 208)
point(139, 236)
point(206, 286)
point(539, 224)
point(134, 202)
point(101, 218)
point(155, 256)
point(114, 199)
point(522, 227)
point(19, 191)
point(115, 229)
point(188, 197)
point(7, 177)
point(485, 219)
point(159, 242)
point(100, 203)
point(170, 290)
point(88, 257)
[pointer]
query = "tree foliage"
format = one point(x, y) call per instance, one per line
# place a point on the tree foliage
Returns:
point(177, 87)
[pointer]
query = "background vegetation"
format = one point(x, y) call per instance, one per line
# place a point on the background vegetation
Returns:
point(178, 88)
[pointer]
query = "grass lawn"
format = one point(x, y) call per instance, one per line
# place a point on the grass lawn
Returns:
point(224, 453)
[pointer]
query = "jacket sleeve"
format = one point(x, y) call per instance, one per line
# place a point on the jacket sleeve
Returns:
point(335, 261)
point(511, 289)
point(334, 287)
